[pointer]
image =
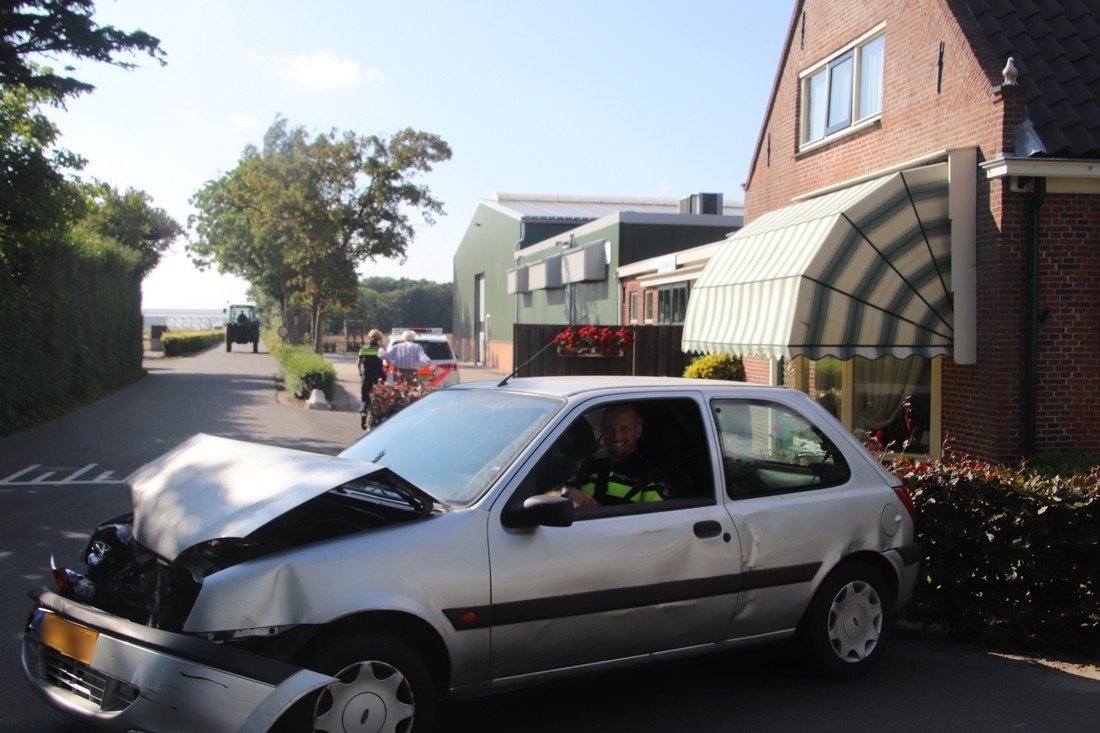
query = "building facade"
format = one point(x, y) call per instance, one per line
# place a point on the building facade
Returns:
point(967, 191)
point(556, 259)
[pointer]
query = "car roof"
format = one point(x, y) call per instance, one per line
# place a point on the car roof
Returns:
point(571, 386)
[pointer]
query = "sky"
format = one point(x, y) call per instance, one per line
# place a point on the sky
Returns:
point(604, 97)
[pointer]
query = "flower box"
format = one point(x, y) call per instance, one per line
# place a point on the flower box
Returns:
point(593, 341)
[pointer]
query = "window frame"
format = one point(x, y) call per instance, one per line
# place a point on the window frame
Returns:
point(667, 301)
point(852, 53)
point(592, 411)
point(839, 457)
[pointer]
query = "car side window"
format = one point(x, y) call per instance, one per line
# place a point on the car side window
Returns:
point(767, 448)
point(666, 466)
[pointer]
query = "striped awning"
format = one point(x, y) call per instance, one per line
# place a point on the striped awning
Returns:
point(863, 271)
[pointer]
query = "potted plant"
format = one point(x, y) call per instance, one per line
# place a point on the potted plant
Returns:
point(593, 341)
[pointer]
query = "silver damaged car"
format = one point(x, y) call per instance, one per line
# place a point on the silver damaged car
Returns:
point(484, 538)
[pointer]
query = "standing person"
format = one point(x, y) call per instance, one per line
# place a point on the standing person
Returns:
point(370, 371)
point(406, 356)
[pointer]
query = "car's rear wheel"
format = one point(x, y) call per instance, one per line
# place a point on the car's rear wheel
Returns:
point(848, 621)
point(383, 686)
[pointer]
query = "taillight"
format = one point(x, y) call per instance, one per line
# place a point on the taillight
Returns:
point(61, 579)
point(906, 501)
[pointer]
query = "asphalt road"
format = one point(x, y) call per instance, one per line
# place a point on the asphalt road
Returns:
point(59, 480)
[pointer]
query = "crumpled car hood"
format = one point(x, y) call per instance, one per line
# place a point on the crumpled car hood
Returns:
point(210, 488)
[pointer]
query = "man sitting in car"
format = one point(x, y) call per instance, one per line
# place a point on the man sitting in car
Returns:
point(625, 475)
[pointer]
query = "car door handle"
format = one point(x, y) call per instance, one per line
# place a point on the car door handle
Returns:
point(708, 528)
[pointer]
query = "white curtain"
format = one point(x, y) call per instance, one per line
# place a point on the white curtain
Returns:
point(880, 386)
point(870, 77)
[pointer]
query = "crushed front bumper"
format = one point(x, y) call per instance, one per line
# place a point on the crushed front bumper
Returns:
point(131, 677)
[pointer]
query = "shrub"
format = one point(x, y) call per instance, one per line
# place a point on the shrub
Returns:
point(716, 366)
point(386, 400)
point(305, 371)
point(178, 343)
point(1010, 556)
point(1064, 464)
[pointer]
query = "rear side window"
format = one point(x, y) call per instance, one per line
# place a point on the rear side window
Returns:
point(437, 349)
point(769, 449)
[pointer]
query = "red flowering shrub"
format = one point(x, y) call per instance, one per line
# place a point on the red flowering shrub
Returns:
point(599, 340)
point(386, 400)
point(1010, 555)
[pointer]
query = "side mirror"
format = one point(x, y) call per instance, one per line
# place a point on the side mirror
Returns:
point(540, 510)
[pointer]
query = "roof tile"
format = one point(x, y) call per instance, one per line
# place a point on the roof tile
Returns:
point(1056, 44)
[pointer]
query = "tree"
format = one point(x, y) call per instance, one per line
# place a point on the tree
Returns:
point(300, 215)
point(37, 201)
point(131, 220)
point(53, 28)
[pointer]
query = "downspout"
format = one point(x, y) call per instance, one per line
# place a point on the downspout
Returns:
point(1031, 311)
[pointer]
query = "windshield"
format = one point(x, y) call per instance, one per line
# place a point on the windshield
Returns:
point(455, 442)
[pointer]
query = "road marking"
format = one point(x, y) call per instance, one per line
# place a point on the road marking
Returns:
point(72, 477)
point(17, 474)
point(39, 475)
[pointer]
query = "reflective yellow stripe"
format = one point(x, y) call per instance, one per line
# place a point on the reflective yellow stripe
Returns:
point(619, 491)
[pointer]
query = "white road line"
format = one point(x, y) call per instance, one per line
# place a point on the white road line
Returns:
point(73, 476)
point(50, 477)
point(17, 474)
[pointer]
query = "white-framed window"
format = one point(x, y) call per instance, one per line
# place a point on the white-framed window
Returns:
point(844, 90)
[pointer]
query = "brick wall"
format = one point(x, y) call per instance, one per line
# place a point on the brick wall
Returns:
point(916, 120)
point(982, 404)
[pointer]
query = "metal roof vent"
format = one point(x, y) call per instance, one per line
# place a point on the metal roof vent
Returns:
point(701, 203)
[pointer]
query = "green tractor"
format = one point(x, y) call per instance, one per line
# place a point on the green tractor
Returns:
point(242, 326)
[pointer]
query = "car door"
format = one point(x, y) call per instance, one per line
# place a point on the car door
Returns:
point(799, 505)
point(621, 581)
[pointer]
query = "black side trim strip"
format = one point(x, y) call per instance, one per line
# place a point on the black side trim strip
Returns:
point(910, 554)
point(217, 656)
point(579, 604)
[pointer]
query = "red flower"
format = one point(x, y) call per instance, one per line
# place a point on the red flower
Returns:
point(593, 340)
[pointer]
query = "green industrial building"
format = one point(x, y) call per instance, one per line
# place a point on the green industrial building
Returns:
point(555, 260)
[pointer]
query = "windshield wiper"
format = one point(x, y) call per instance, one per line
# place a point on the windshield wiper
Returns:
point(388, 489)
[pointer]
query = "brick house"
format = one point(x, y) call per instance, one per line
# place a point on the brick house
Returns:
point(921, 245)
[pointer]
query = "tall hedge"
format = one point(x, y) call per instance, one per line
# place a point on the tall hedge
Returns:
point(1010, 555)
point(70, 326)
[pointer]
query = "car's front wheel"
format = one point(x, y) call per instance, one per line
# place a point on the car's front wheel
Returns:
point(848, 621)
point(382, 685)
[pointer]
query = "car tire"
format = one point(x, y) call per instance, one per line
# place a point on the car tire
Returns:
point(255, 346)
point(228, 343)
point(848, 621)
point(383, 685)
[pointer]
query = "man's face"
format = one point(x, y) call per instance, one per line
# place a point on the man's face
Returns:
point(621, 429)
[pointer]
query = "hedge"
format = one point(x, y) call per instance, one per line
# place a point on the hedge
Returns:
point(1011, 556)
point(303, 370)
point(70, 323)
point(178, 343)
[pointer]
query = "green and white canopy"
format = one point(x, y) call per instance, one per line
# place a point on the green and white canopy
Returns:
point(864, 271)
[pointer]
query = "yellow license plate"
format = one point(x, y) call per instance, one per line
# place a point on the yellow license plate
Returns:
point(70, 639)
